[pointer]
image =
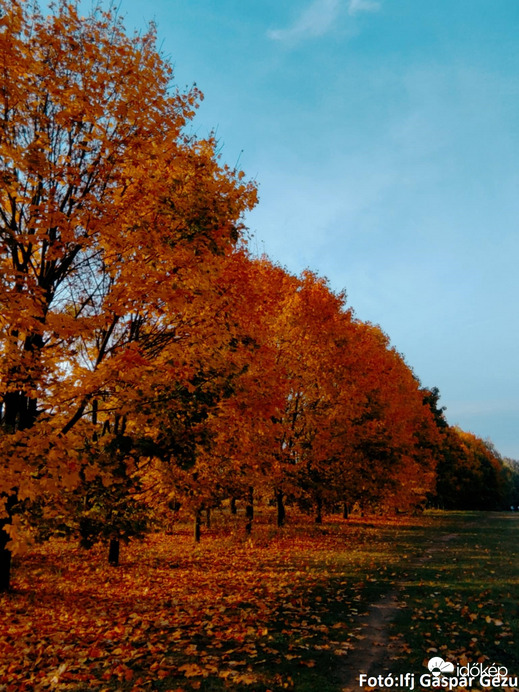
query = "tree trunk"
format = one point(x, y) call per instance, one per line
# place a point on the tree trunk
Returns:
point(208, 517)
point(345, 511)
point(233, 505)
point(5, 557)
point(249, 510)
point(198, 522)
point(18, 412)
point(5, 553)
point(113, 552)
point(319, 511)
point(280, 508)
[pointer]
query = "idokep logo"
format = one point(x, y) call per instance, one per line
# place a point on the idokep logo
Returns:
point(438, 666)
point(447, 675)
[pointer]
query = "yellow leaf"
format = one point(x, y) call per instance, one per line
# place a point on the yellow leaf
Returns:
point(191, 670)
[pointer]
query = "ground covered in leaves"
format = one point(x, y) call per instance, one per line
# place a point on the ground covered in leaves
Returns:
point(283, 610)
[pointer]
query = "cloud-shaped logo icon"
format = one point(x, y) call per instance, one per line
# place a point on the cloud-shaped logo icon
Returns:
point(437, 666)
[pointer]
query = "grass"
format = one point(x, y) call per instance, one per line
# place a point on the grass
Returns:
point(281, 611)
point(462, 598)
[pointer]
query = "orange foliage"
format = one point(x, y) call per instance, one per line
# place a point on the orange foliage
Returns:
point(110, 222)
point(147, 360)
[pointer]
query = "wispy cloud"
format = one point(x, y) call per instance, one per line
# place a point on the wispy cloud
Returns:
point(318, 18)
point(356, 6)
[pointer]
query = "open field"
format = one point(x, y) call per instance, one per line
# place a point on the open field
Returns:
point(289, 609)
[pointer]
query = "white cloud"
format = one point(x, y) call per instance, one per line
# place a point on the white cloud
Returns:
point(356, 6)
point(319, 18)
point(316, 20)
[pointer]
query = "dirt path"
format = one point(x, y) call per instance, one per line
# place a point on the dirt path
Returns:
point(374, 647)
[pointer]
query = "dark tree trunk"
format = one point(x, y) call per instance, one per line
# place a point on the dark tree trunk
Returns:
point(5, 553)
point(249, 510)
point(18, 412)
point(197, 526)
point(5, 559)
point(113, 552)
point(319, 511)
point(233, 505)
point(345, 511)
point(280, 508)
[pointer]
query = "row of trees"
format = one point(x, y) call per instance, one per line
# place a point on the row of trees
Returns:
point(470, 472)
point(147, 360)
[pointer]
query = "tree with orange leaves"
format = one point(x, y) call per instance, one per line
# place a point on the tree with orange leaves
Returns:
point(308, 334)
point(110, 216)
point(471, 473)
point(388, 455)
point(230, 400)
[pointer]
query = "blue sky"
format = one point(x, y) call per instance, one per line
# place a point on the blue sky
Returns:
point(384, 136)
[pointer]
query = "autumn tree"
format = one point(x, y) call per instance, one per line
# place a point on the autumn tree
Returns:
point(431, 397)
point(312, 346)
point(392, 432)
point(230, 400)
point(270, 415)
point(471, 473)
point(511, 472)
point(109, 217)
